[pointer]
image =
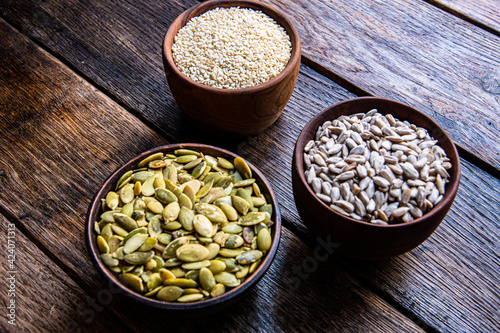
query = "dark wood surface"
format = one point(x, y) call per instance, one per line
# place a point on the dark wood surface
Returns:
point(82, 90)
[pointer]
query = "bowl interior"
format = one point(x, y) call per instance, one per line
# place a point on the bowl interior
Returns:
point(231, 295)
point(400, 111)
point(197, 10)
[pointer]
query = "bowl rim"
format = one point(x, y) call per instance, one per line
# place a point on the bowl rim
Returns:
point(270, 11)
point(234, 293)
point(451, 186)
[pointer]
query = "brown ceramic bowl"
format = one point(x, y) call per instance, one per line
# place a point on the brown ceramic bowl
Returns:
point(364, 240)
point(235, 112)
point(199, 307)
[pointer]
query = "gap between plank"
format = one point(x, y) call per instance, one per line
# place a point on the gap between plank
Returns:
point(463, 16)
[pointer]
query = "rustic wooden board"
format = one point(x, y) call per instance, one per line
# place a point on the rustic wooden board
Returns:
point(413, 53)
point(484, 12)
point(57, 147)
point(45, 298)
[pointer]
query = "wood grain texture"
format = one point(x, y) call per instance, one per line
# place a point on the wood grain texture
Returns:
point(414, 53)
point(484, 12)
point(449, 282)
point(59, 145)
point(45, 298)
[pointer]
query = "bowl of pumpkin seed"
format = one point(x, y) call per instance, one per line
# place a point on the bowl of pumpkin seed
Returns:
point(374, 177)
point(184, 227)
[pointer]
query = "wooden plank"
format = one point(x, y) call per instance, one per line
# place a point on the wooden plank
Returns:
point(410, 52)
point(61, 142)
point(41, 297)
point(485, 13)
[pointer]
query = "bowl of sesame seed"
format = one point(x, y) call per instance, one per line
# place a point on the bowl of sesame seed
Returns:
point(232, 65)
point(374, 177)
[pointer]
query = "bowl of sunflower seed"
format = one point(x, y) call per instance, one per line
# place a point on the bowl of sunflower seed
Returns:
point(184, 227)
point(375, 177)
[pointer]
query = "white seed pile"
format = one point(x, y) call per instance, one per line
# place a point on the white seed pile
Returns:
point(231, 48)
point(376, 168)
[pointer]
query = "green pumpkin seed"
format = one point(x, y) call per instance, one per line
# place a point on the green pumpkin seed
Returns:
point(152, 157)
point(207, 279)
point(134, 243)
point(166, 274)
point(124, 179)
point(234, 241)
point(178, 272)
point(258, 201)
point(231, 264)
point(192, 252)
point(171, 211)
point(253, 218)
point(155, 206)
point(227, 279)
point(199, 169)
point(181, 282)
point(244, 182)
point(124, 221)
point(148, 187)
point(232, 228)
point(229, 211)
point(224, 182)
point(184, 151)
point(248, 235)
point(245, 195)
point(154, 281)
point(169, 293)
point(138, 258)
point(172, 262)
point(184, 159)
point(214, 213)
point(224, 163)
point(212, 195)
point(171, 226)
point(231, 253)
point(134, 232)
point(112, 200)
point(102, 244)
point(154, 227)
point(218, 290)
point(108, 260)
point(184, 201)
point(240, 204)
point(242, 272)
point(132, 281)
point(248, 257)
point(242, 167)
point(153, 292)
point(204, 190)
point(172, 247)
point(157, 164)
point(254, 266)
point(127, 193)
point(213, 250)
point(108, 216)
point(203, 225)
point(186, 218)
point(165, 196)
point(170, 174)
point(196, 265)
point(148, 244)
point(190, 298)
point(164, 238)
point(150, 266)
point(264, 240)
point(217, 266)
point(141, 176)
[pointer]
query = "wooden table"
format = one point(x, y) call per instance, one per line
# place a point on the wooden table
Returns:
point(82, 90)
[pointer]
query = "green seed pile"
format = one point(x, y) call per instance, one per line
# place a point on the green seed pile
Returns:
point(185, 227)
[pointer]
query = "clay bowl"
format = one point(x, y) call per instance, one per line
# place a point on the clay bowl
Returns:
point(202, 307)
point(364, 240)
point(233, 112)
